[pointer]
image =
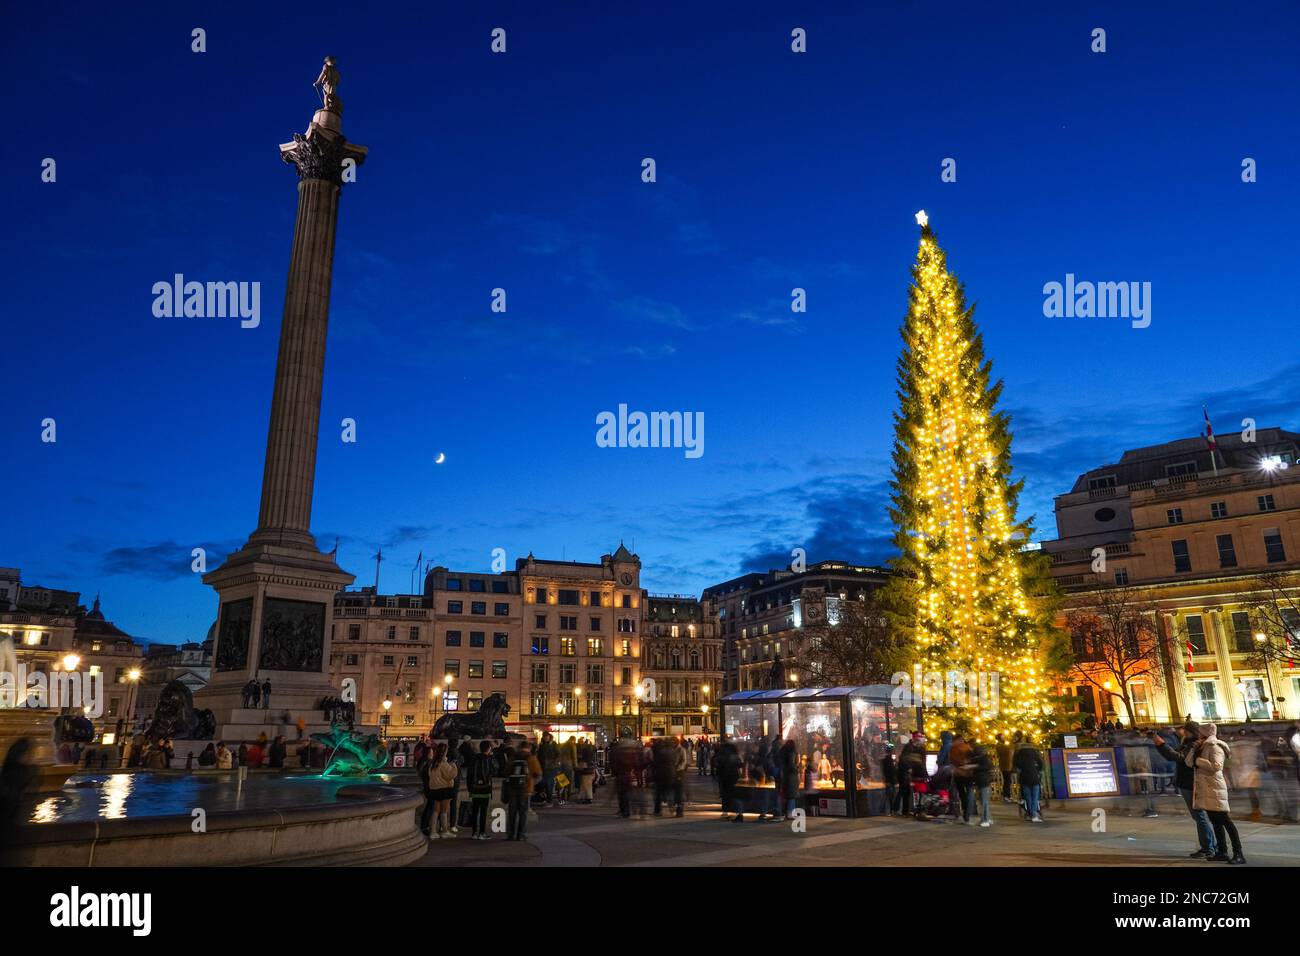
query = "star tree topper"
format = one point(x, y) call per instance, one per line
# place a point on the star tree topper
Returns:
point(922, 219)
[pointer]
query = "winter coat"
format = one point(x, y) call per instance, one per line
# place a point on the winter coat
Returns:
point(959, 755)
point(1029, 766)
point(443, 775)
point(1210, 789)
point(982, 772)
point(1006, 756)
point(1245, 766)
point(1183, 772)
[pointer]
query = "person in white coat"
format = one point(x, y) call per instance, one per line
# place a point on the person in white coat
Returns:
point(1210, 791)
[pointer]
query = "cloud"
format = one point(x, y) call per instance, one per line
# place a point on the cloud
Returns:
point(164, 561)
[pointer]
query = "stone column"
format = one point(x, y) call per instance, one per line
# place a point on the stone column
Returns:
point(289, 474)
point(277, 592)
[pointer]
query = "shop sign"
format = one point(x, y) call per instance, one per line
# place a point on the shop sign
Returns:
point(832, 808)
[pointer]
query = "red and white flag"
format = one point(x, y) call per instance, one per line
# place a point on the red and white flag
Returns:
point(1209, 431)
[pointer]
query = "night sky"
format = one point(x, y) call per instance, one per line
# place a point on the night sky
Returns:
point(523, 171)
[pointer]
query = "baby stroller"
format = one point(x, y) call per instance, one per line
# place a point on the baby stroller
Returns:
point(929, 801)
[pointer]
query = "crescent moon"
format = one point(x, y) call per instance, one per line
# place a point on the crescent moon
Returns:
point(440, 459)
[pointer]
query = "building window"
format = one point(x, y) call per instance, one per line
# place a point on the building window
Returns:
point(414, 633)
point(502, 610)
point(627, 676)
point(541, 645)
point(1218, 509)
point(626, 707)
point(1227, 553)
point(567, 704)
point(1207, 696)
point(1273, 546)
point(626, 625)
point(1180, 469)
point(626, 648)
point(412, 661)
point(568, 647)
point(541, 596)
point(627, 600)
point(453, 638)
point(476, 584)
point(569, 598)
point(451, 699)
point(350, 660)
point(452, 668)
point(500, 587)
point(453, 584)
point(595, 624)
point(595, 673)
point(388, 660)
point(568, 623)
point(1101, 483)
point(500, 639)
point(408, 720)
point(568, 673)
point(478, 607)
point(392, 632)
point(1266, 503)
point(473, 700)
point(476, 670)
point(595, 647)
point(1182, 560)
point(477, 638)
point(455, 607)
point(1242, 638)
point(538, 672)
point(1121, 576)
point(537, 699)
point(499, 670)
point(354, 632)
point(1174, 515)
point(540, 622)
point(595, 704)
point(595, 599)
point(1196, 634)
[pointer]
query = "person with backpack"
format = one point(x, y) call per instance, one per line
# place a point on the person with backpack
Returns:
point(443, 776)
point(1029, 768)
point(478, 778)
point(522, 777)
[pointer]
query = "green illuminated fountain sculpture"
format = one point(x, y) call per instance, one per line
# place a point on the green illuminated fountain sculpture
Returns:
point(351, 753)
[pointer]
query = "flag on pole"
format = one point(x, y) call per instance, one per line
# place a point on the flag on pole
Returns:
point(1191, 666)
point(1209, 440)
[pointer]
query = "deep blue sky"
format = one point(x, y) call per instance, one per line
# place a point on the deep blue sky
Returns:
point(523, 171)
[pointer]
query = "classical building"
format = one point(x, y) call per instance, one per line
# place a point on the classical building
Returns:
point(761, 617)
point(50, 629)
point(190, 663)
point(559, 639)
point(681, 655)
point(1197, 538)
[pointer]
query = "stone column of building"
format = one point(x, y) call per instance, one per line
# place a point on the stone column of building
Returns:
point(1180, 686)
point(1223, 658)
point(277, 592)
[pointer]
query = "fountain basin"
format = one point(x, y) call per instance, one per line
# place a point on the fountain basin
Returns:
point(146, 819)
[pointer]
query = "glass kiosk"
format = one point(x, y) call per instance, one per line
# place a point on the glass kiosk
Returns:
point(840, 735)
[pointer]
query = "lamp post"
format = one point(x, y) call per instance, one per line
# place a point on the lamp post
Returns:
point(1245, 704)
point(388, 705)
point(70, 662)
point(704, 709)
point(639, 691)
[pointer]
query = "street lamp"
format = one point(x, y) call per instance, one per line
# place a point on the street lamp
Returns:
point(388, 705)
point(1245, 704)
point(639, 691)
point(704, 709)
point(1262, 639)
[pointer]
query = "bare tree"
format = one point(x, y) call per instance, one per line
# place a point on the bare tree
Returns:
point(1114, 641)
point(855, 645)
point(1274, 611)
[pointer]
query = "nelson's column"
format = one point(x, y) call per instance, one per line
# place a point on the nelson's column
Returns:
point(276, 594)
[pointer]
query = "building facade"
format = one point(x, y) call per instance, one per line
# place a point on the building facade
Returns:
point(560, 640)
point(51, 629)
point(761, 618)
point(1198, 539)
point(682, 659)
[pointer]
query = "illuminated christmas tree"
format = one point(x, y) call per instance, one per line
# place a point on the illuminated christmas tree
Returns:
point(963, 591)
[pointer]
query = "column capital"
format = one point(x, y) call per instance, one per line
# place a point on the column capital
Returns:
point(320, 153)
